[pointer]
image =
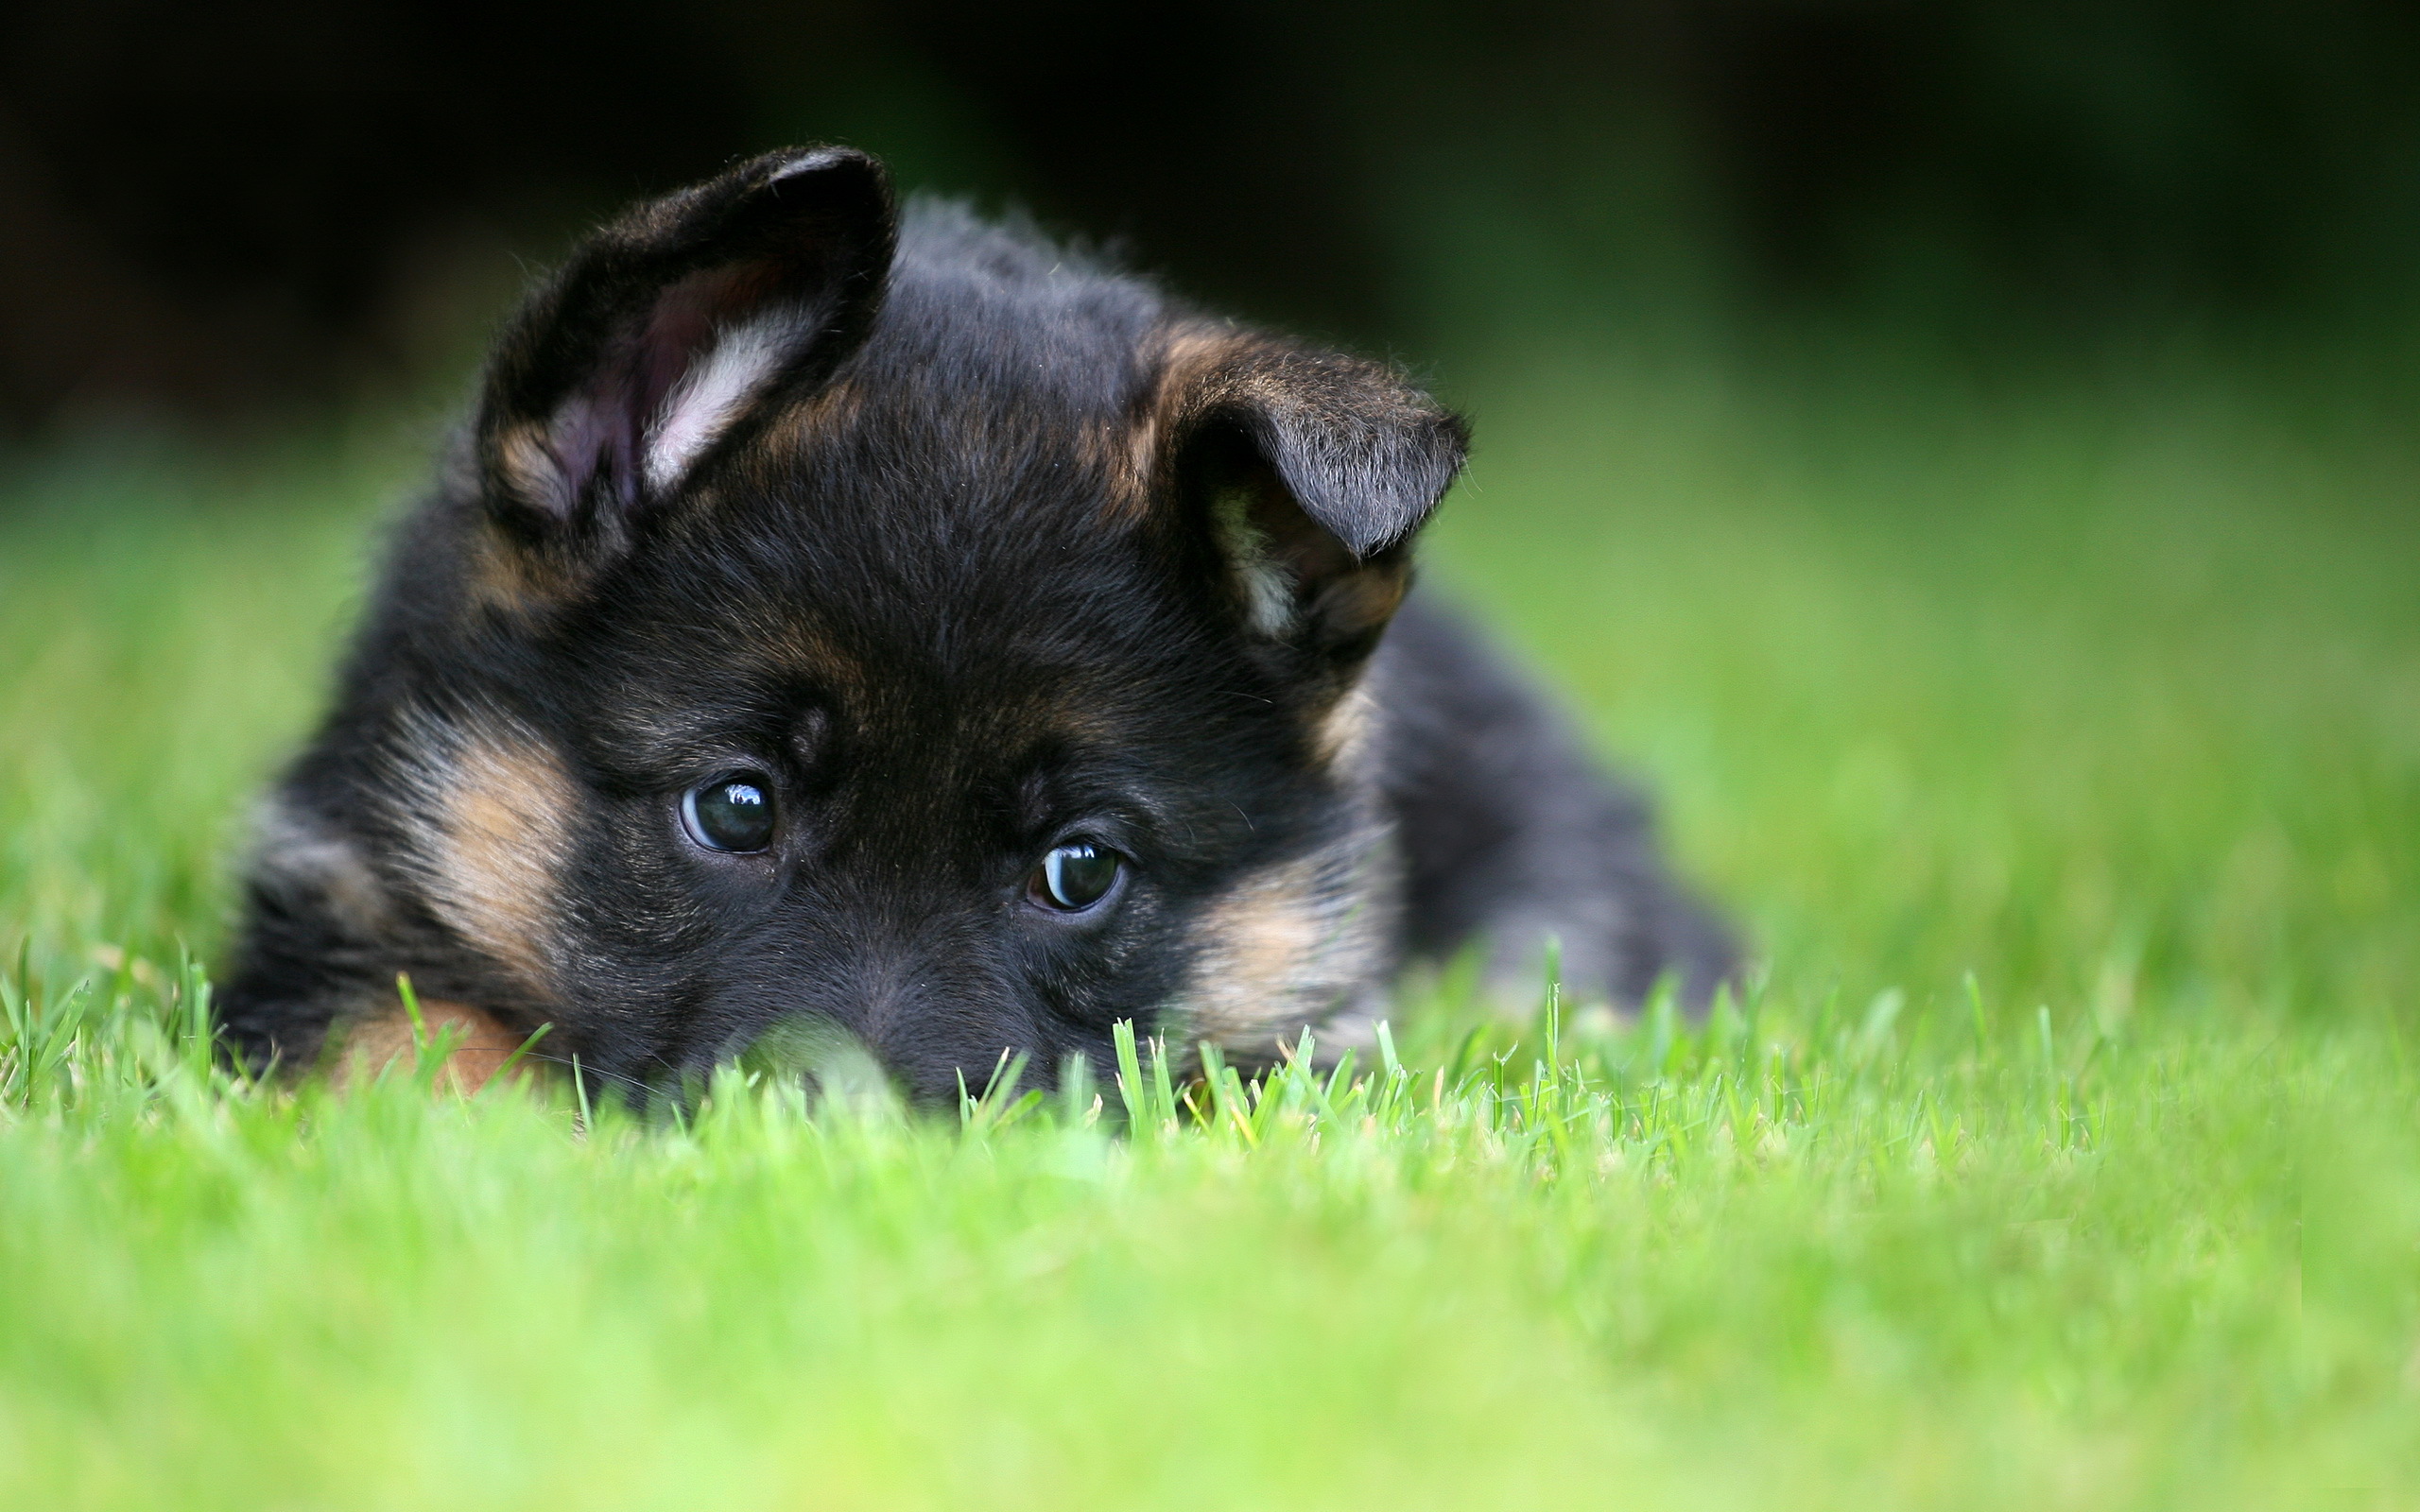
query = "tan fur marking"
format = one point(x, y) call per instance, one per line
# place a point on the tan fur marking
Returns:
point(520, 578)
point(482, 1046)
point(525, 461)
point(1263, 942)
point(506, 827)
point(1362, 601)
point(830, 410)
point(490, 807)
point(1129, 453)
point(510, 578)
point(1341, 736)
point(1120, 451)
point(1299, 944)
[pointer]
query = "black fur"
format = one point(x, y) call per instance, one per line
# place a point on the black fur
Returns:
point(999, 548)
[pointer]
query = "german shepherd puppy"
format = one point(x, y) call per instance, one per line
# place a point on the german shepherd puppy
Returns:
point(915, 627)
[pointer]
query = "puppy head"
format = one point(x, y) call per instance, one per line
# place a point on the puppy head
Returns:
point(960, 647)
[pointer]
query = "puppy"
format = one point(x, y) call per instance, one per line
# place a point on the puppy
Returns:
point(914, 628)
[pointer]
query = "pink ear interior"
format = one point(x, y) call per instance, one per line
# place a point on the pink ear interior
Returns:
point(670, 324)
point(603, 426)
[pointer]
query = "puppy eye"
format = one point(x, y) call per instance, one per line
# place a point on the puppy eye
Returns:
point(734, 812)
point(1075, 876)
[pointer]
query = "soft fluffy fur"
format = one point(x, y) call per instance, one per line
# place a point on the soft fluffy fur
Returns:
point(973, 546)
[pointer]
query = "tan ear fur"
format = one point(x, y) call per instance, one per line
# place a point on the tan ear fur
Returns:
point(1310, 471)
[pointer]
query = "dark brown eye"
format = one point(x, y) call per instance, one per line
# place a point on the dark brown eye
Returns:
point(1075, 876)
point(734, 812)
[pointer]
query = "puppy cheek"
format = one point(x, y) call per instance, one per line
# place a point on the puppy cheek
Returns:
point(495, 824)
point(1293, 946)
point(1343, 738)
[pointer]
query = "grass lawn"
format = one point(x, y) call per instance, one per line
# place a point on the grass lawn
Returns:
point(2060, 749)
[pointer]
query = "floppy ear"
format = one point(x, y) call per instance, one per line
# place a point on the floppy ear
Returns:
point(1308, 472)
point(667, 327)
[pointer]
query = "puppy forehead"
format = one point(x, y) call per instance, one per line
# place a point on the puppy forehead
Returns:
point(974, 580)
point(768, 675)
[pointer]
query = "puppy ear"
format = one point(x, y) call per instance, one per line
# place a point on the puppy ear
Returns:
point(665, 329)
point(1308, 472)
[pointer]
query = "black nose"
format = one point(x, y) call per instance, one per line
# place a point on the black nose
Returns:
point(931, 1017)
point(935, 1046)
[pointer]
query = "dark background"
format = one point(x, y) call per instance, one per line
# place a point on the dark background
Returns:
point(212, 208)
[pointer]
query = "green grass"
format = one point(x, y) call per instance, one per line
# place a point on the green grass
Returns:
point(2061, 751)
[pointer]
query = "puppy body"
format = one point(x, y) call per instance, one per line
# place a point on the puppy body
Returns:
point(924, 631)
